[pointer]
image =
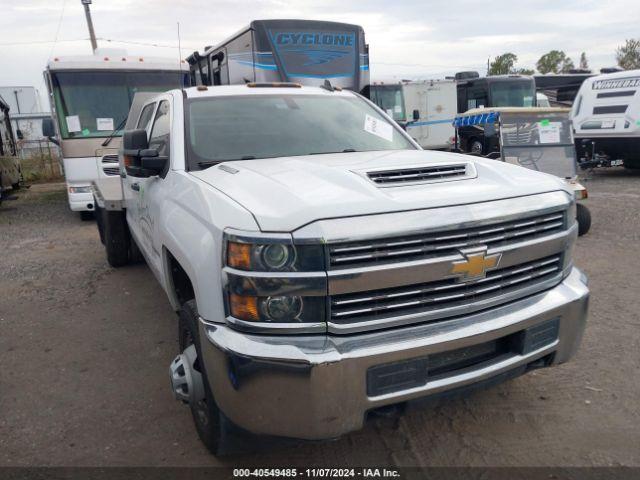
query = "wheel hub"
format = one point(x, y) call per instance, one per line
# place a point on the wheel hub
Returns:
point(186, 382)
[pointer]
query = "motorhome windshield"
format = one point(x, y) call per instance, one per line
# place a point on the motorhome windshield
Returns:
point(266, 126)
point(93, 103)
point(390, 99)
point(512, 94)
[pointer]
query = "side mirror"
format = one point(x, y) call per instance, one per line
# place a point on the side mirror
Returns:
point(416, 115)
point(135, 140)
point(133, 143)
point(151, 163)
point(48, 129)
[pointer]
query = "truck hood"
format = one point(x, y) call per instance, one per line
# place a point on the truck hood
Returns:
point(286, 193)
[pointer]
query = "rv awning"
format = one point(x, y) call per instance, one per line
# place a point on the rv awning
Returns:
point(479, 119)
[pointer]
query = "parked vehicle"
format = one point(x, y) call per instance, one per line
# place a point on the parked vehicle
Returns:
point(537, 138)
point(495, 91)
point(606, 119)
point(303, 51)
point(10, 172)
point(425, 109)
point(323, 266)
point(90, 97)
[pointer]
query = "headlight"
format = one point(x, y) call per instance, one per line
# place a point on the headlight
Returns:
point(273, 256)
point(277, 309)
point(269, 280)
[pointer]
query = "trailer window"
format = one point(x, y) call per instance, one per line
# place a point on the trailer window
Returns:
point(266, 126)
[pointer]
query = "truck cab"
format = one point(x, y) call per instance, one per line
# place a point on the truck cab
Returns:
point(323, 266)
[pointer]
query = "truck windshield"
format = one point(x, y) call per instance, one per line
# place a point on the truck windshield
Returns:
point(512, 94)
point(390, 99)
point(92, 104)
point(266, 126)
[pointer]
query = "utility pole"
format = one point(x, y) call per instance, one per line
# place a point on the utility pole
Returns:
point(92, 33)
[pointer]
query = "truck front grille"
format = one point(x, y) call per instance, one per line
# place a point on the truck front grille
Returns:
point(441, 295)
point(415, 247)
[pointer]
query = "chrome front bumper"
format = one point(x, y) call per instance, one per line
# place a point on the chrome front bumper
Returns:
point(315, 386)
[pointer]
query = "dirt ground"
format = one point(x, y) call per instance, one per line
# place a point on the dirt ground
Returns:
point(85, 349)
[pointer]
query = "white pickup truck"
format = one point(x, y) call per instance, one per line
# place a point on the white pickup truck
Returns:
point(324, 267)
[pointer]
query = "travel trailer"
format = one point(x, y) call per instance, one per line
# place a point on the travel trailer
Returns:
point(606, 120)
point(426, 109)
point(90, 98)
point(302, 51)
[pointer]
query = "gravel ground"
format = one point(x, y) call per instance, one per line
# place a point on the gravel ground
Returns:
point(84, 351)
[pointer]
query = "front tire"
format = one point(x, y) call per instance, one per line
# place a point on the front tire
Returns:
point(583, 216)
point(212, 426)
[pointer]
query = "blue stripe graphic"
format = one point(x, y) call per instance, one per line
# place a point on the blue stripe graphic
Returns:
point(432, 122)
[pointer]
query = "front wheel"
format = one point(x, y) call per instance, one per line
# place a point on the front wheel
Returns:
point(212, 426)
point(583, 216)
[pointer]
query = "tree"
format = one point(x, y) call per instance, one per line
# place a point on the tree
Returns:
point(555, 61)
point(505, 64)
point(584, 65)
point(628, 55)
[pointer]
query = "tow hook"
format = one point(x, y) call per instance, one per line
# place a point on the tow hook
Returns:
point(186, 381)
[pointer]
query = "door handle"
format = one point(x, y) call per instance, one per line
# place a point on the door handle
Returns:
point(135, 186)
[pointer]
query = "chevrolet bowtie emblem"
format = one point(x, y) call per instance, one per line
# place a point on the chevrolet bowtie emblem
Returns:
point(475, 265)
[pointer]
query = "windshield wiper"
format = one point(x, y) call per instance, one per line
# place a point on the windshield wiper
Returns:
point(346, 150)
point(113, 133)
point(209, 163)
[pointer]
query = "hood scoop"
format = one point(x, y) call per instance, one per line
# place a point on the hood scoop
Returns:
point(431, 173)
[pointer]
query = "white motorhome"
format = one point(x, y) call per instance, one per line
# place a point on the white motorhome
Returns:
point(426, 109)
point(90, 97)
point(606, 119)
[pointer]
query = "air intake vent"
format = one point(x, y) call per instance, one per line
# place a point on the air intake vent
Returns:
point(110, 165)
point(431, 173)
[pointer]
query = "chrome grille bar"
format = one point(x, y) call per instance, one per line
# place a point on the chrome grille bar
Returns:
point(409, 248)
point(441, 294)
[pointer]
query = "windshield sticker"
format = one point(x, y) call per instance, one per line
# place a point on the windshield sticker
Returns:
point(379, 128)
point(390, 112)
point(544, 122)
point(86, 132)
point(73, 123)
point(104, 124)
point(549, 132)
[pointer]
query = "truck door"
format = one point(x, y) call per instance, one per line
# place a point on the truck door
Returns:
point(131, 185)
point(150, 189)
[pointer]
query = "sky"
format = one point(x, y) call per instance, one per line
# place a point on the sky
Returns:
point(408, 39)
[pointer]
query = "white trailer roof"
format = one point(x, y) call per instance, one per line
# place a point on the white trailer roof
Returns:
point(116, 60)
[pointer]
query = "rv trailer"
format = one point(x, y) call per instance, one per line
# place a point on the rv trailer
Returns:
point(606, 119)
point(90, 97)
point(425, 109)
point(301, 51)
